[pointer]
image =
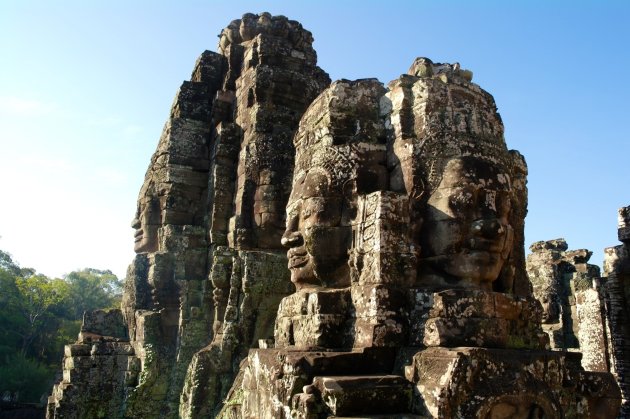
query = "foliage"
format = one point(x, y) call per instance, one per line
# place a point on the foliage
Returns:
point(7, 264)
point(25, 377)
point(38, 316)
point(90, 289)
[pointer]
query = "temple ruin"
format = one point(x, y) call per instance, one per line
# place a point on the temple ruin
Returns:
point(312, 249)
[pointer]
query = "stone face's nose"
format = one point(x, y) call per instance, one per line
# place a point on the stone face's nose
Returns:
point(291, 238)
point(135, 223)
point(487, 227)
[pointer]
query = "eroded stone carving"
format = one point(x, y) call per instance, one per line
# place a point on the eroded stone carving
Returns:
point(403, 291)
point(467, 190)
point(101, 362)
point(336, 157)
point(572, 295)
point(435, 161)
point(147, 221)
point(466, 236)
point(272, 77)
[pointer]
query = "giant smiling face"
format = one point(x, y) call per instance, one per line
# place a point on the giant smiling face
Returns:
point(316, 236)
point(147, 221)
point(466, 236)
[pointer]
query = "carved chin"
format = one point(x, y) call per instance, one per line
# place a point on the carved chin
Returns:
point(302, 273)
point(143, 245)
point(139, 243)
point(140, 246)
point(308, 273)
point(477, 266)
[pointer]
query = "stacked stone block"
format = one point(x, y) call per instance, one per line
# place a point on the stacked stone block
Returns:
point(271, 77)
point(478, 346)
point(277, 81)
point(480, 382)
point(483, 319)
point(253, 283)
point(102, 362)
point(312, 319)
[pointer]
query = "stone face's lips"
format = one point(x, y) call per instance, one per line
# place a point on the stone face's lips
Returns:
point(485, 245)
point(138, 235)
point(298, 257)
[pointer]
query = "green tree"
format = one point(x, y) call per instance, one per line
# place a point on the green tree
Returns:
point(29, 314)
point(7, 263)
point(38, 296)
point(9, 318)
point(26, 377)
point(92, 289)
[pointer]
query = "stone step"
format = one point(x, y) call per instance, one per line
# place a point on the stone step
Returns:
point(365, 394)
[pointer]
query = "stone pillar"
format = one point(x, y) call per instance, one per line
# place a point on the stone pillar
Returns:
point(571, 293)
point(383, 265)
point(617, 273)
point(209, 273)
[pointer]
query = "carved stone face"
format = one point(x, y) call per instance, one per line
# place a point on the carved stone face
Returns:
point(317, 238)
point(268, 210)
point(466, 236)
point(147, 222)
point(551, 309)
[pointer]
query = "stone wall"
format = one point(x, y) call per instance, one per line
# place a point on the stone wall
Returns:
point(584, 311)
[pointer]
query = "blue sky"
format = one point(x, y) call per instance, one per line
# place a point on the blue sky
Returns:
point(85, 88)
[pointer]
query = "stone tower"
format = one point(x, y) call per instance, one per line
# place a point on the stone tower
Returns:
point(208, 276)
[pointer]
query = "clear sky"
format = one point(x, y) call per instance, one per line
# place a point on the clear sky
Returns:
point(86, 86)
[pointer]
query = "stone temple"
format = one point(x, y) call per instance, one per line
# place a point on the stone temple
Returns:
point(314, 249)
